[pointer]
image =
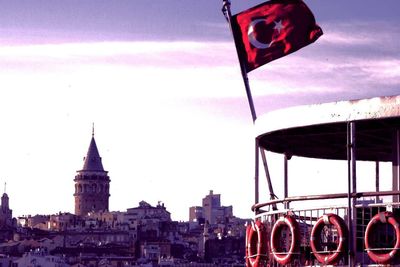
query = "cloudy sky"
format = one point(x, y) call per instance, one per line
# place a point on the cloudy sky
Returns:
point(161, 82)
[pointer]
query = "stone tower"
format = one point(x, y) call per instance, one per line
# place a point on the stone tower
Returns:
point(5, 211)
point(92, 184)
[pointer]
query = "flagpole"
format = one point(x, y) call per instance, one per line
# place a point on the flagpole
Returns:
point(226, 10)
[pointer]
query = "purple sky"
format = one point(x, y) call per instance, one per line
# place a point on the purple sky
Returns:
point(99, 20)
point(161, 82)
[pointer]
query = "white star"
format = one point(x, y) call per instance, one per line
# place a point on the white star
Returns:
point(278, 26)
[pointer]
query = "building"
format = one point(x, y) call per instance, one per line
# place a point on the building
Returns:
point(5, 212)
point(39, 257)
point(196, 214)
point(63, 222)
point(36, 221)
point(146, 211)
point(211, 210)
point(92, 184)
point(6, 220)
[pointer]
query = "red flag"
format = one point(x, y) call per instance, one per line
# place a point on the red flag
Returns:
point(272, 30)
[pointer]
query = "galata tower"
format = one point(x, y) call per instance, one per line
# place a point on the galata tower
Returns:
point(92, 183)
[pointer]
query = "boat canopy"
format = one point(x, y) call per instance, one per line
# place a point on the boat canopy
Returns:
point(320, 131)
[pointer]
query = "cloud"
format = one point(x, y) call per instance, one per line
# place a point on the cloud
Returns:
point(338, 66)
point(206, 70)
point(155, 54)
point(204, 73)
point(385, 71)
point(372, 35)
point(359, 64)
point(190, 69)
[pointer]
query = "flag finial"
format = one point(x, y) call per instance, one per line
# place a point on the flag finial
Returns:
point(226, 4)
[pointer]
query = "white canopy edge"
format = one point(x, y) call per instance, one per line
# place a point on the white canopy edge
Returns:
point(341, 111)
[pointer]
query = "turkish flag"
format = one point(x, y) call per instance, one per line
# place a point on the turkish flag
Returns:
point(272, 30)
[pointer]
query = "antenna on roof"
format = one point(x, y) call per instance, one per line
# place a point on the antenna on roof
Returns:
point(5, 187)
point(93, 129)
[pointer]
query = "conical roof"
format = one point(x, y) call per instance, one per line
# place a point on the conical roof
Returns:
point(92, 161)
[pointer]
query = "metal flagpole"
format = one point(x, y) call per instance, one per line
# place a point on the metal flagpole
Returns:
point(226, 10)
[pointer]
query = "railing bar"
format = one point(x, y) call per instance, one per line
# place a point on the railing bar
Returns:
point(310, 209)
point(328, 252)
point(286, 253)
point(323, 197)
point(376, 249)
point(256, 255)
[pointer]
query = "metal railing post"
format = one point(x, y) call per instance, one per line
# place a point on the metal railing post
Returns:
point(352, 189)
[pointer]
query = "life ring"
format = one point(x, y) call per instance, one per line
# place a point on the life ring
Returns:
point(329, 257)
point(382, 217)
point(256, 247)
point(248, 234)
point(285, 257)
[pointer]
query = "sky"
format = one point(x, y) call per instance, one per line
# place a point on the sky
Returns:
point(161, 82)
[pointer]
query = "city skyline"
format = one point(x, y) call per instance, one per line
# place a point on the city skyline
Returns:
point(162, 84)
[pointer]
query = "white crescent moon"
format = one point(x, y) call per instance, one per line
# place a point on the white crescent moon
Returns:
point(253, 40)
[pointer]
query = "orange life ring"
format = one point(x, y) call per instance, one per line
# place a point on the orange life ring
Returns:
point(256, 247)
point(285, 257)
point(329, 257)
point(382, 217)
point(248, 233)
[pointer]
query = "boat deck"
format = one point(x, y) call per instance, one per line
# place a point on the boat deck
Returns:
point(348, 228)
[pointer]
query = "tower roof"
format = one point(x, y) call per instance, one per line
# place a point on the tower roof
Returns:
point(92, 161)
